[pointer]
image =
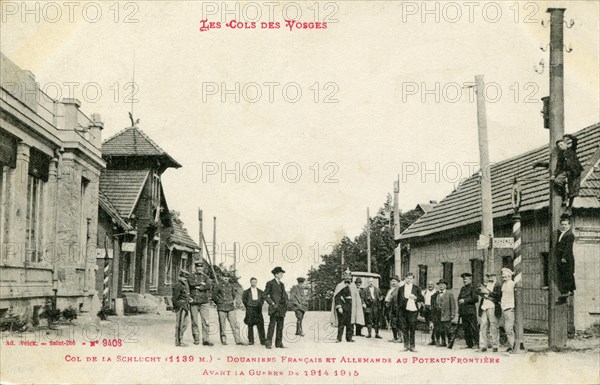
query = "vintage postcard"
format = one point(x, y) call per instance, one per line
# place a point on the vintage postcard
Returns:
point(299, 192)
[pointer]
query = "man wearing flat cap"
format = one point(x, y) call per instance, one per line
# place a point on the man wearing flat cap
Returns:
point(467, 309)
point(299, 304)
point(181, 306)
point(444, 310)
point(277, 298)
point(201, 291)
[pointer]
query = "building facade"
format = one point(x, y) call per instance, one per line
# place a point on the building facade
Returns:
point(50, 164)
point(443, 242)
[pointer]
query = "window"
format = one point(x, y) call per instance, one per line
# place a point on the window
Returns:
point(507, 261)
point(422, 276)
point(169, 267)
point(183, 263)
point(3, 206)
point(447, 273)
point(405, 264)
point(544, 256)
point(33, 220)
point(153, 250)
point(155, 189)
point(83, 220)
point(477, 271)
point(128, 269)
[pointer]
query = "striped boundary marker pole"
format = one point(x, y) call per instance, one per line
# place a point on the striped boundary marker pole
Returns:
point(519, 303)
point(106, 289)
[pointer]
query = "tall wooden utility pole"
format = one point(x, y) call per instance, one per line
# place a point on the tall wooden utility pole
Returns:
point(234, 259)
point(214, 239)
point(487, 224)
point(557, 313)
point(200, 232)
point(368, 242)
point(397, 250)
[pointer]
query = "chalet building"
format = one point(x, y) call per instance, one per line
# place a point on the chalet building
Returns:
point(50, 164)
point(142, 244)
point(442, 243)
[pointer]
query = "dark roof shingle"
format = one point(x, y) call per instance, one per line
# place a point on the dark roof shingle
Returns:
point(463, 206)
point(123, 187)
point(108, 207)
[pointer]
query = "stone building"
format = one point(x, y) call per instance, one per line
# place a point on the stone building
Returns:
point(442, 243)
point(50, 163)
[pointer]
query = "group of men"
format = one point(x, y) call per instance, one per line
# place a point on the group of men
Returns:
point(194, 294)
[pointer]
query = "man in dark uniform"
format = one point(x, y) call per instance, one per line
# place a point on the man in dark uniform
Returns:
point(224, 296)
point(299, 304)
point(181, 306)
point(201, 291)
point(277, 298)
point(391, 304)
point(253, 299)
point(343, 307)
point(370, 299)
point(565, 260)
point(467, 310)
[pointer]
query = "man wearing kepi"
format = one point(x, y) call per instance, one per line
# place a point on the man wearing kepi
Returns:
point(489, 312)
point(299, 303)
point(224, 297)
point(409, 298)
point(181, 306)
point(253, 299)
point(277, 298)
point(467, 309)
point(201, 291)
point(342, 300)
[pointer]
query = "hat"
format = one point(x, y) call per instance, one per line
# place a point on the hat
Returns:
point(184, 273)
point(396, 278)
point(300, 279)
point(198, 262)
point(276, 270)
point(443, 281)
point(463, 275)
point(490, 274)
point(358, 279)
point(225, 273)
point(507, 271)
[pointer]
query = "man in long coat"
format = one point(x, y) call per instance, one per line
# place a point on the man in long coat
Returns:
point(299, 304)
point(565, 260)
point(357, 316)
point(370, 298)
point(277, 298)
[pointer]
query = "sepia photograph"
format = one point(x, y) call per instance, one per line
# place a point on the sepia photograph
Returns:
point(299, 192)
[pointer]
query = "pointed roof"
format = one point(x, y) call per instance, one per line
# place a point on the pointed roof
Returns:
point(131, 142)
point(463, 206)
point(123, 188)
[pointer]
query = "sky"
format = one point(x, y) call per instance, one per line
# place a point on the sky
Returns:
point(325, 119)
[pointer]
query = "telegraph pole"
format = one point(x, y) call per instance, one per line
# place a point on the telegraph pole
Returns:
point(215, 239)
point(397, 250)
point(557, 313)
point(200, 231)
point(368, 242)
point(234, 259)
point(487, 223)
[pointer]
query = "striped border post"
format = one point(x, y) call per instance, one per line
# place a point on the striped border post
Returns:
point(518, 266)
point(106, 289)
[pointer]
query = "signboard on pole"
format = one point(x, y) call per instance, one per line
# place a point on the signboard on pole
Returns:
point(483, 242)
point(128, 247)
point(503, 243)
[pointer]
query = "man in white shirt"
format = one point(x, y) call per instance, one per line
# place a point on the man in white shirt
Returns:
point(428, 308)
point(507, 303)
point(409, 297)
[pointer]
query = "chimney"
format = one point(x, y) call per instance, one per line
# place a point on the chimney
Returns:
point(433, 202)
point(68, 119)
point(95, 127)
